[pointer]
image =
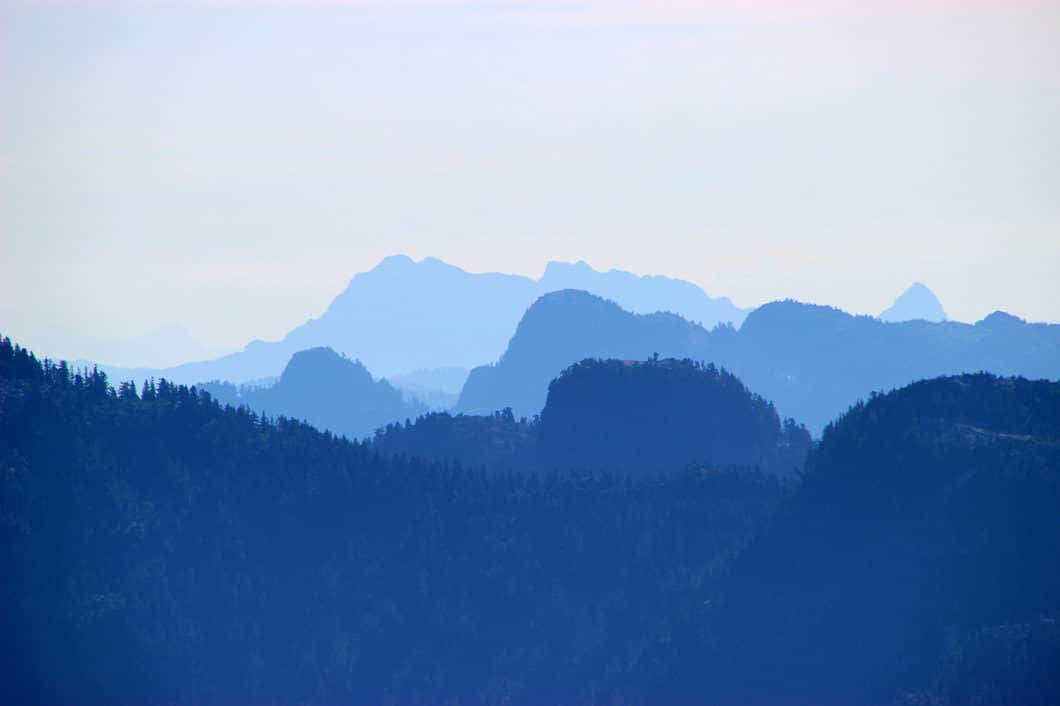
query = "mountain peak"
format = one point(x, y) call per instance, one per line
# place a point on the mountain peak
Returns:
point(916, 303)
point(390, 261)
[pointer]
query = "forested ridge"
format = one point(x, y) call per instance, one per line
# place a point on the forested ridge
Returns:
point(628, 416)
point(915, 564)
point(160, 548)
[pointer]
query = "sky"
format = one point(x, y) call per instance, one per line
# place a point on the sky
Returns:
point(179, 177)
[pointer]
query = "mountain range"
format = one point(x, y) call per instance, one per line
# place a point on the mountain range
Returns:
point(424, 324)
point(812, 361)
point(403, 316)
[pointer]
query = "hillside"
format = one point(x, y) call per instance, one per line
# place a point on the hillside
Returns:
point(327, 390)
point(497, 441)
point(159, 548)
point(637, 417)
point(659, 415)
point(812, 362)
point(917, 557)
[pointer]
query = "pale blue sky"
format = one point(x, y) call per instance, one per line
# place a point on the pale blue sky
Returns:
point(226, 167)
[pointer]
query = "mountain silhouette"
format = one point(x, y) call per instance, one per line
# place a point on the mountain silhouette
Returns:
point(327, 390)
point(402, 316)
point(916, 303)
point(811, 361)
point(918, 557)
point(642, 295)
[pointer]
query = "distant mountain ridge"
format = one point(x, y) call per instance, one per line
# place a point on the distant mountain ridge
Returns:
point(645, 294)
point(402, 316)
point(438, 388)
point(811, 361)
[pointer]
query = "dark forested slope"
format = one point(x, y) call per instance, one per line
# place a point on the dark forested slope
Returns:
point(620, 415)
point(329, 391)
point(497, 441)
point(637, 416)
point(159, 548)
point(916, 562)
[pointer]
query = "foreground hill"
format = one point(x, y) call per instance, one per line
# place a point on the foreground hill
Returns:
point(158, 548)
point(813, 362)
point(402, 316)
point(630, 416)
point(327, 390)
point(917, 558)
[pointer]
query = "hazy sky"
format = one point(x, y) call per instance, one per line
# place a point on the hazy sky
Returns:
point(227, 166)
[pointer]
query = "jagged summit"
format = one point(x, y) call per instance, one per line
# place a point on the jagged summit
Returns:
point(916, 303)
point(643, 294)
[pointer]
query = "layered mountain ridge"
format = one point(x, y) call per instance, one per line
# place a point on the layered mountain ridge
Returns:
point(812, 361)
point(402, 316)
